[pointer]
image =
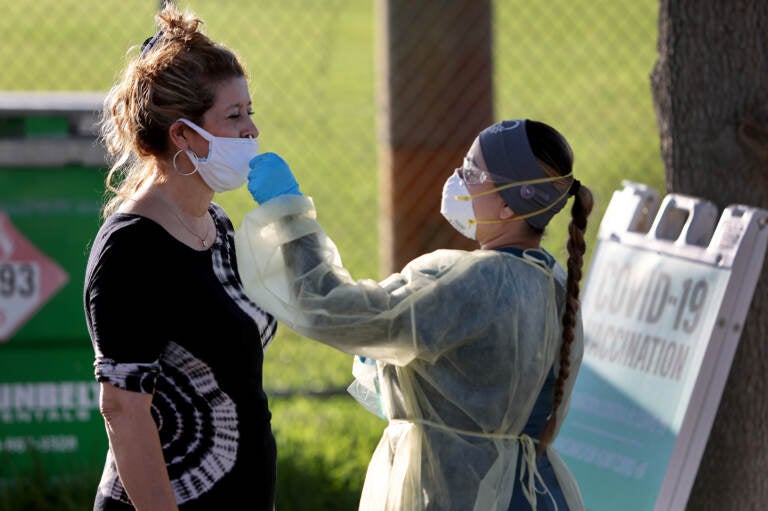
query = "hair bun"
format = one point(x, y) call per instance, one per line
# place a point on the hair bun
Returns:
point(177, 24)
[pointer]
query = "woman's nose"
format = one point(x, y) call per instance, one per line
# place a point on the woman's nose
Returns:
point(251, 131)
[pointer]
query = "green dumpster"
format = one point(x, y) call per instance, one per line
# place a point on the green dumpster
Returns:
point(52, 173)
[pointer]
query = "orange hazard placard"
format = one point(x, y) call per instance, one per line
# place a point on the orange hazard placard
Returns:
point(28, 279)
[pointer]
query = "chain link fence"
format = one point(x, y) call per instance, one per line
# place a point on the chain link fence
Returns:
point(316, 66)
point(582, 66)
point(315, 70)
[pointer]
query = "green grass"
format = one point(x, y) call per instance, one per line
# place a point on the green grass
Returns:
point(326, 460)
point(581, 65)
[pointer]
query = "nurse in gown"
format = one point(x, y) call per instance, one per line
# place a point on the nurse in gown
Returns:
point(476, 352)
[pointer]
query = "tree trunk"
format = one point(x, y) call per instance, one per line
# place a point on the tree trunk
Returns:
point(710, 87)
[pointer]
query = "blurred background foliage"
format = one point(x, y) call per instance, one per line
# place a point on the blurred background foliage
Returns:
point(581, 65)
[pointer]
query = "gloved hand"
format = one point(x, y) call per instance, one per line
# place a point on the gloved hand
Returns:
point(269, 177)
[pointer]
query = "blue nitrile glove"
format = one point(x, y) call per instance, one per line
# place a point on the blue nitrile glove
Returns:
point(269, 177)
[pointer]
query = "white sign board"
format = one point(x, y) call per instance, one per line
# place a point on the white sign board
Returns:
point(663, 307)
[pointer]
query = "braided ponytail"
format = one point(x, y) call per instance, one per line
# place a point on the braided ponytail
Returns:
point(576, 245)
point(556, 158)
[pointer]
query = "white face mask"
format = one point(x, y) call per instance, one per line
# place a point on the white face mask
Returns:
point(459, 213)
point(226, 166)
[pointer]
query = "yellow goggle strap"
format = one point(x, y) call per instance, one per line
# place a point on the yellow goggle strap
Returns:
point(518, 183)
point(510, 185)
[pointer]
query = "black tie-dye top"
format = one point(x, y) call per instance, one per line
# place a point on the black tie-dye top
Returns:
point(174, 322)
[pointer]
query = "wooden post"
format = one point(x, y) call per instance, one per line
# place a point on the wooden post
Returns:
point(435, 95)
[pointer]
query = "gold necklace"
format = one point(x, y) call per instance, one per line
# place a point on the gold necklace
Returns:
point(181, 221)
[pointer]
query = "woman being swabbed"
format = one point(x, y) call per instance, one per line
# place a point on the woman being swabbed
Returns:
point(178, 346)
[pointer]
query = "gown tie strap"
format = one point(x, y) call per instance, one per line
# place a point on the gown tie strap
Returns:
point(529, 471)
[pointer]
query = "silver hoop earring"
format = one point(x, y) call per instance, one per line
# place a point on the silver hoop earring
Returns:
point(192, 158)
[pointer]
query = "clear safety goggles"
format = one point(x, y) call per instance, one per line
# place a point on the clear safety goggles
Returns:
point(471, 174)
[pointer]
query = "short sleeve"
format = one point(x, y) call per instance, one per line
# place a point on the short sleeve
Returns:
point(121, 298)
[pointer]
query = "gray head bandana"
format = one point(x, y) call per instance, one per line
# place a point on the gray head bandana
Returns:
point(508, 155)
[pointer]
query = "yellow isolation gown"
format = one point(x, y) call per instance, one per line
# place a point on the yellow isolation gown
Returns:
point(463, 342)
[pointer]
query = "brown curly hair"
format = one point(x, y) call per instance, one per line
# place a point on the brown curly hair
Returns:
point(174, 76)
